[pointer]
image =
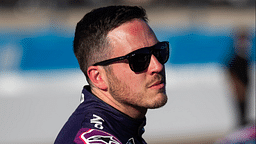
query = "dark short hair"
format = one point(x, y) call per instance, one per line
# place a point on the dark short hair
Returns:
point(90, 42)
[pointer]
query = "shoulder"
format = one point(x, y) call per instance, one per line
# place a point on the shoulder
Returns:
point(84, 128)
point(86, 121)
point(88, 135)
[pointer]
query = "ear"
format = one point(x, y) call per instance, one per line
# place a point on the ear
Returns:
point(97, 76)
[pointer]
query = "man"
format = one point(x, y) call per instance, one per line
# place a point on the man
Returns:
point(238, 70)
point(124, 65)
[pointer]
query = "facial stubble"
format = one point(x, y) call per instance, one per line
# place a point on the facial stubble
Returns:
point(120, 92)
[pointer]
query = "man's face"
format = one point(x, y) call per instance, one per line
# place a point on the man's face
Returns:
point(144, 89)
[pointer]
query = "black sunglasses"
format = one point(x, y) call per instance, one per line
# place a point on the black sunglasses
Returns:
point(139, 59)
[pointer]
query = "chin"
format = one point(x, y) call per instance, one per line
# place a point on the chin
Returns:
point(161, 101)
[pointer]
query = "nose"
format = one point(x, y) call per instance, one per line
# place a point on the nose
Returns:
point(155, 66)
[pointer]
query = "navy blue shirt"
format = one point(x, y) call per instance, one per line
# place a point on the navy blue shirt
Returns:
point(94, 121)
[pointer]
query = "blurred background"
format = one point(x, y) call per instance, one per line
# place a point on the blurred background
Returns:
point(40, 80)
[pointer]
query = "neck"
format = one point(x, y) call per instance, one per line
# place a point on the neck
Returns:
point(130, 110)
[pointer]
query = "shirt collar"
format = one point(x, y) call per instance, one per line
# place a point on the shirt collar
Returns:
point(136, 126)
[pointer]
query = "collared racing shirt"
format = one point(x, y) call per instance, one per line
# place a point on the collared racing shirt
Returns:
point(94, 121)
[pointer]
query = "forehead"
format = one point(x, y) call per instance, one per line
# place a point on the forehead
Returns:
point(131, 36)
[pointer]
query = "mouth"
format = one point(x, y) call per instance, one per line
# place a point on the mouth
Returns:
point(158, 85)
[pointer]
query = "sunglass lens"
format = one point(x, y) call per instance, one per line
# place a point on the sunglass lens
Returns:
point(162, 52)
point(139, 62)
point(140, 59)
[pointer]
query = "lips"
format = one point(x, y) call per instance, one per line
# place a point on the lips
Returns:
point(158, 84)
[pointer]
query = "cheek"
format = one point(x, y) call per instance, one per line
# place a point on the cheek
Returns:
point(122, 71)
point(127, 76)
point(136, 84)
